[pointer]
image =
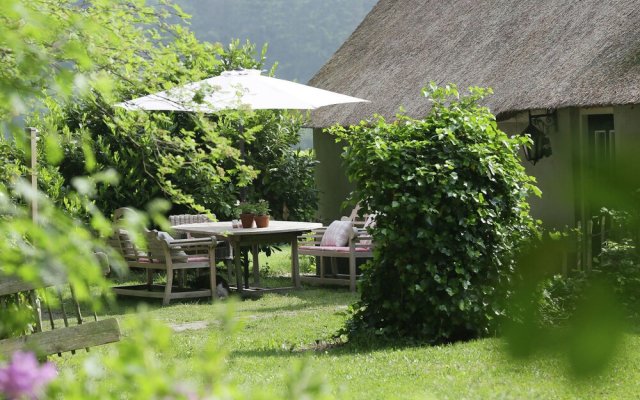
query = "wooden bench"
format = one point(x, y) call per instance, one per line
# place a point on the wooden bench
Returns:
point(54, 339)
point(224, 251)
point(359, 246)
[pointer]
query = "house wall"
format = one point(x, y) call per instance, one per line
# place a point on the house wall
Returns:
point(627, 126)
point(331, 180)
point(554, 175)
point(558, 176)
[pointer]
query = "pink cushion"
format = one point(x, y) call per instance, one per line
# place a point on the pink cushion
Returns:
point(342, 249)
point(337, 234)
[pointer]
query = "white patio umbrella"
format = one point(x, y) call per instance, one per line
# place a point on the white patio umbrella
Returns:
point(240, 89)
point(234, 90)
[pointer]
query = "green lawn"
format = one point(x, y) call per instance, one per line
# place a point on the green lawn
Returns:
point(277, 329)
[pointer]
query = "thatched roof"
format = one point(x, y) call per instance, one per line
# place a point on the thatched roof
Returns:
point(534, 54)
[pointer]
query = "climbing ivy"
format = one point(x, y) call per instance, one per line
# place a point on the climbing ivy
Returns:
point(450, 197)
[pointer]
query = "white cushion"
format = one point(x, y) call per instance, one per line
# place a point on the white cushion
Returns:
point(337, 234)
point(177, 254)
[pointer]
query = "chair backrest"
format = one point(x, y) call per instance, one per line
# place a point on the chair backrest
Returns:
point(354, 213)
point(358, 221)
point(182, 219)
point(121, 240)
point(122, 243)
point(157, 247)
point(120, 212)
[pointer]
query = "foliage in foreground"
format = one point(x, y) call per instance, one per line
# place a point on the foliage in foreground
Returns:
point(134, 367)
point(582, 311)
point(62, 47)
point(450, 194)
point(189, 159)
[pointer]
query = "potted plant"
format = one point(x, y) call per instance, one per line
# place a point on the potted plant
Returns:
point(262, 214)
point(247, 214)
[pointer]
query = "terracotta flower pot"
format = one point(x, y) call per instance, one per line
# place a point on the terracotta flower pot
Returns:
point(262, 221)
point(247, 220)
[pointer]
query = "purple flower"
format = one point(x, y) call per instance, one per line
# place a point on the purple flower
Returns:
point(24, 378)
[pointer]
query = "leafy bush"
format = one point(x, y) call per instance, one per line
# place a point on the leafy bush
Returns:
point(617, 266)
point(559, 296)
point(581, 313)
point(450, 194)
point(288, 183)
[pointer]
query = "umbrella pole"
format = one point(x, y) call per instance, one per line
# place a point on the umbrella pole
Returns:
point(34, 175)
point(243, 156)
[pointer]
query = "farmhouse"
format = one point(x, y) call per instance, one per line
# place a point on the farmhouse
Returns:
point(566, 72)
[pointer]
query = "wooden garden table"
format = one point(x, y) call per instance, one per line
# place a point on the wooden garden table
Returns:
point(276, 232)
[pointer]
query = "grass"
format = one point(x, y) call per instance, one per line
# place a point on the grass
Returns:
point(280, 328)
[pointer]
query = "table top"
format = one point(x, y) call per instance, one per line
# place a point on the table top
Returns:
point(224, 228)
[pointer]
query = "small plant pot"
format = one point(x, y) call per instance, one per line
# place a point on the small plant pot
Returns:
point(247, 220)
point(262, 221)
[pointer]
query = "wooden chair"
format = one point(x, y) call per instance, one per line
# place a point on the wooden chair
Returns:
point(359, 246)
point(224, 251)
point(46, 340)
point(166, 256)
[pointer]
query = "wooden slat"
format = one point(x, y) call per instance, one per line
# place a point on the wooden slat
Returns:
point(182, 219)
point(12, 284)
point(158, 293)
point(316, 280)
point(66, 339)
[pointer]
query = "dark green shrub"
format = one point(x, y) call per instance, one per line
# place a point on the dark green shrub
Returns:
point(450, 194)
point(617, 267)
point(288, 183)
point(559, 297)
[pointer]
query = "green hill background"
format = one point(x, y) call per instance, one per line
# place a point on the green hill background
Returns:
point(302, 34)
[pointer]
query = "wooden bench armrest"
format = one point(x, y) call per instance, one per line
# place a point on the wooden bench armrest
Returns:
point(201, 240)
point(189, 244)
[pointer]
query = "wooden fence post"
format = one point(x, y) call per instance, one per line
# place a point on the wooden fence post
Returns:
point(589, 245)
point(33, 133)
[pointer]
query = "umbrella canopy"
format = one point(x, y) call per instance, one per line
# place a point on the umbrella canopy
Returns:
point(234, 90)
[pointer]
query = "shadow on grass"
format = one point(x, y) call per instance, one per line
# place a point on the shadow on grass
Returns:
point(290, 301)
point(333, 348)
point(301, 299)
